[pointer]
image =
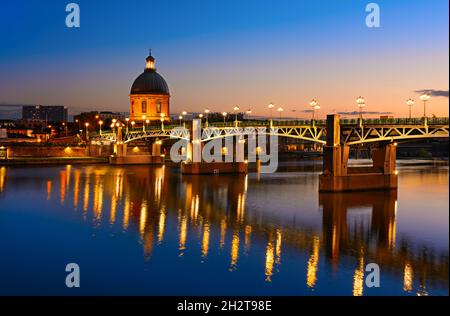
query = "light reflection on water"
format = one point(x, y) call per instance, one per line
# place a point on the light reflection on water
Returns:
point(232, 234)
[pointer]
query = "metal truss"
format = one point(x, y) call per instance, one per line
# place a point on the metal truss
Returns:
point(351, 134)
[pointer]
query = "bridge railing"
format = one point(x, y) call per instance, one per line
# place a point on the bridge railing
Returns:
point(281, 123)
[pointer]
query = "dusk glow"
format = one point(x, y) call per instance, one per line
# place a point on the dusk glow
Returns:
point(222, 53)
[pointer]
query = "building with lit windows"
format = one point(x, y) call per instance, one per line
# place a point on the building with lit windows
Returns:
point(149, 95)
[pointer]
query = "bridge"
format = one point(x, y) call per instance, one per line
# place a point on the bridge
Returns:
point(336, 135)
point(353, 131)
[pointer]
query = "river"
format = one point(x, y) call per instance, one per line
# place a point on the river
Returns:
point(152, 231)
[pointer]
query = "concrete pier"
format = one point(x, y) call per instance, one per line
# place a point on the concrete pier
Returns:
point(338, 177)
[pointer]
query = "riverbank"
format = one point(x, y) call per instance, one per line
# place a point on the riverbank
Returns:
point(52, 161)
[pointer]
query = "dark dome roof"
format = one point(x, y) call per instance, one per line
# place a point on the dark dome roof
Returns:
point(149, 82)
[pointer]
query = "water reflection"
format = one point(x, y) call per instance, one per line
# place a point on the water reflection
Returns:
point(211, 214)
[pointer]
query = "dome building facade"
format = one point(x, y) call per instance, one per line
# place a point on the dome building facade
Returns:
point(149, 95)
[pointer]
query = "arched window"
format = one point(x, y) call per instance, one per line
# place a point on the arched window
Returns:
point(158, 107)
point(144, 106)
point(132, 107)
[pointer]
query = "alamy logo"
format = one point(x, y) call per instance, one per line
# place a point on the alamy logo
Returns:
point(373, 18)
point(73, 278)
point(215, 145)
point(73, 18)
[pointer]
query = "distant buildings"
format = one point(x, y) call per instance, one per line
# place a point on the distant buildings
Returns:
point(47, 113)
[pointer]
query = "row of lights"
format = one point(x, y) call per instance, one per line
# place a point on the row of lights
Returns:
point(360, 102)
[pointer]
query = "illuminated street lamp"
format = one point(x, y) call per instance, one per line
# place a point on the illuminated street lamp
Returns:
point(143, 122)
point(87, 125)
point(271, 106)
point(235, 109)
point(249, 112)
point(100, 123)
point(410, 103)
point(425, 97)
point(280, 109)
point(206, 118)
point(162, 120)
point(224, 114)
point(180, 118)
point(146, 123)
point(132, 124)
point(361, 103)
point(127, 120)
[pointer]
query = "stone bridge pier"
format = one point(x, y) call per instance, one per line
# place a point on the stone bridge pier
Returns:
point(231, 159)
point(122, 156)
point(339, 177)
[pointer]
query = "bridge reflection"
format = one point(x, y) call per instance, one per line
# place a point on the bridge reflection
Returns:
point(208, 215)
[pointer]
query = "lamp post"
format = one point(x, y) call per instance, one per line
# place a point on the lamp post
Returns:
point(180, 118)
point(146, 124)
point(127, 120)
point(143, 122)
point(361, 103)
point(280, 109)
point(132, 124)
point(271, 106)
point(206, 113)
point(425, 97)
point(100, 123)
point(184, 113)
point(224, 114)
point(313, 104)
point(78, 121)
point(235, 109)
point(249, 112)
point(87, 135)
point(410, 103)
point(162, 120)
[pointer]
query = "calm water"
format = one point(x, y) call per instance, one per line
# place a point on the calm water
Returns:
point(138, 230)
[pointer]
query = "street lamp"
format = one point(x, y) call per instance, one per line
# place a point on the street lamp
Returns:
point(280, 109)
point(206, 112)
point(146, 123)
point(100, 123)
point(235, 109)
point(180, 118)
point(425, 97)
point(132, 124)
point(361, 103)
point(249, 112)
point(143, 122)
point(224, 114)
point(271, 106)
point(127, 120)
point(162, 120)
point(87, 125)
point(410, 103)
point(313, 104)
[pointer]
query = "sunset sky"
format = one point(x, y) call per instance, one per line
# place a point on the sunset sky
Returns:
point(222, 53)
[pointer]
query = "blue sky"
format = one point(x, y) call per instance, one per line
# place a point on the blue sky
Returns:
point(222, 53)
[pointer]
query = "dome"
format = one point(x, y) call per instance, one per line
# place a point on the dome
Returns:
point(149, 82)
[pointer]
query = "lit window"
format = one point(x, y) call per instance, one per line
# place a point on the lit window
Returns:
point(144, 106)
point(158, 107)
